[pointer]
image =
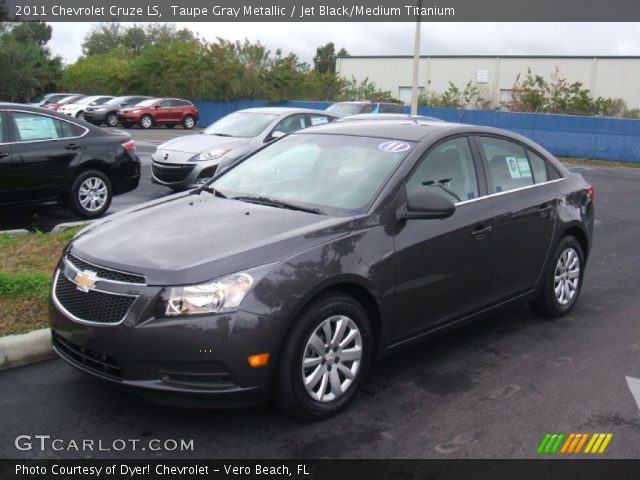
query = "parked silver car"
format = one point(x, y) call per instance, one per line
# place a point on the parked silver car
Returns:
point(192, 160)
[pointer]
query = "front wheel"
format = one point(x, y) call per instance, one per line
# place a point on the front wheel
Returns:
point(562, 281)
point(112, 120)
point(91, 194)
point(146, 121)
point(325, 358)
point(188, 122)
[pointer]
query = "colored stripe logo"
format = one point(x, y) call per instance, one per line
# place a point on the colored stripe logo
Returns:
point(574, 443)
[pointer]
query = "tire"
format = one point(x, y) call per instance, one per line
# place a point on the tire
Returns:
point(80, 115)
point(91, 194)
point(146, 122)
point(171, 125)
point(112, 120)
point(564, 274)
point(188, 122)
point(323, 398)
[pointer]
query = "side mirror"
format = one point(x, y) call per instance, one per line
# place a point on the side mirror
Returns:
point(426, 204)
point(276, 134)
point(157, 106)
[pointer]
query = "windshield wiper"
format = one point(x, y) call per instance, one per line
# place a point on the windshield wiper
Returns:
point(279, 204)
point(208, 189)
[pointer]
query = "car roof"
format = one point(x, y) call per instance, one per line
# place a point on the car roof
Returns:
point(283, 110)
point(387, 116)
point(412, 130)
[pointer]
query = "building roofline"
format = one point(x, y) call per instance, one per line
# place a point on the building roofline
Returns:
point(604, 57)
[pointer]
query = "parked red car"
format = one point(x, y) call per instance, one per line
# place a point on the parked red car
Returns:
point(55, 106)
point(160, 111)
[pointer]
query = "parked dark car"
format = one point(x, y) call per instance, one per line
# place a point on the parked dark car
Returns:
point(49, 157)
point(187, 161)
point(77, 107)
point(343, 109)
point(106, 113)
point(288, 274)
point(160, 111)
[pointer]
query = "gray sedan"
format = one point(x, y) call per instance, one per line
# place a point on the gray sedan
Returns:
point(192, 160)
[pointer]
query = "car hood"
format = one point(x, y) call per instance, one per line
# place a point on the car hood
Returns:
point(191, 238)
point(183, 148)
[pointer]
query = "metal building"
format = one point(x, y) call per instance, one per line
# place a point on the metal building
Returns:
point(607, 77)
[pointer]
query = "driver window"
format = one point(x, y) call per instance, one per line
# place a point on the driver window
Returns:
point(449, 170)
point(291, 124)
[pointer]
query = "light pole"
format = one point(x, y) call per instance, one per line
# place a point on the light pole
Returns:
point(416, 63)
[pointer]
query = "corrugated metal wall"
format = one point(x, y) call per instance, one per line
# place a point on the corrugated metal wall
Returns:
point(604, 76)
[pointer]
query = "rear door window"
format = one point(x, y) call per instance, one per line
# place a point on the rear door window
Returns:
point(508, 164)
point(34, 127)
point(315, 119)
point(3, 137)
point(291, 123)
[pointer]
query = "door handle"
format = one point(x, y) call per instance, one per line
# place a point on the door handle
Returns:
point(73, 146)
point(3, 154)
point(545, 210)
point(481, 232)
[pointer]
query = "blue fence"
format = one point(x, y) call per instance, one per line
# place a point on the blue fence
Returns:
point(564, 135)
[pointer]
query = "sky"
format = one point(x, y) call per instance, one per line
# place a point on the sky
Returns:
point(596, 39)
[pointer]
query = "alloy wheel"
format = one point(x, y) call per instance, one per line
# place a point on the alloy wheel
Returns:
point(93, 194)
point(567, 276)
point(332, 358)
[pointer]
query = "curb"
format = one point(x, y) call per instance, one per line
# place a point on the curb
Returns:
point(25, 348)
point(62, 226)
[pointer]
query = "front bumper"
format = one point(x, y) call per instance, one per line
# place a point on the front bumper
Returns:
point(183, 361)
point(182, 175)
point(97, 118)
point(128, 118)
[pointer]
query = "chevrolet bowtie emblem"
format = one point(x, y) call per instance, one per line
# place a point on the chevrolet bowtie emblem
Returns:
point(85, 280)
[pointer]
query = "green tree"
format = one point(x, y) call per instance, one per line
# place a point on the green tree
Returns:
point(325, 59)
point(33, 69)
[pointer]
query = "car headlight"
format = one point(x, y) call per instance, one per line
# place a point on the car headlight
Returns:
point(217, 296)
point(134, 111)
point(213, 154)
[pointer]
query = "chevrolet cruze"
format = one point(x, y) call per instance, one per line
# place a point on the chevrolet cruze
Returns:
point(290, 273)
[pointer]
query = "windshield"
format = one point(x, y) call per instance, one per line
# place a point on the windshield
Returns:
point(335, 173)
point(344, 109)
point(83, 100)
point(117, 101)
point(240, 124)
point(147, 103)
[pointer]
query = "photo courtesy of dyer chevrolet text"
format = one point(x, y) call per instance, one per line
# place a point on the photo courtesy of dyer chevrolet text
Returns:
point(161, 469)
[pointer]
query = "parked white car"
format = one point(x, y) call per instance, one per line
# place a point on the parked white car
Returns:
point(77, 108)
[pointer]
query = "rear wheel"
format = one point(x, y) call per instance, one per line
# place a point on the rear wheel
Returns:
point(112, 120)
point(91, 194)
point(188, 122)
point(325, 358)
point(80, 115)
point(146, 121)
point(562, 281)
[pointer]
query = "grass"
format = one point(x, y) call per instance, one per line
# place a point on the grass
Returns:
point(598, 163)
point(27, 263)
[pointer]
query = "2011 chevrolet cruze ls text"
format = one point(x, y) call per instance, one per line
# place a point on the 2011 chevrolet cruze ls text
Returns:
point(290, 273)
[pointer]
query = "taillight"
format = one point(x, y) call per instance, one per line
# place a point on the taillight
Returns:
point(589, 191)
point(129, 146)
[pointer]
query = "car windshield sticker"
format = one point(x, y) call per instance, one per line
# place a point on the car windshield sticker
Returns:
point(394, 147)
point(319, 120)
point(518, 167)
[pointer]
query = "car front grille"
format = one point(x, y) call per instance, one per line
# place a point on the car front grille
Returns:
point(97, 362)
point(105, 273)
point(171, 173)
point(91, 306)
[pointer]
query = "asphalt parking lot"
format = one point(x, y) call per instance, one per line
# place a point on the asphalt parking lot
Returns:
point(489, 390)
